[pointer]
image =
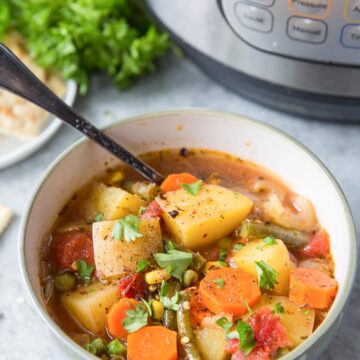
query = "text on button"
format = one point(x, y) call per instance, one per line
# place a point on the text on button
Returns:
point(254, 17)
point(307, 30)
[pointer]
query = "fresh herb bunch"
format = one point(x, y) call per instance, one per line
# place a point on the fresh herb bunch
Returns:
point(78, 37)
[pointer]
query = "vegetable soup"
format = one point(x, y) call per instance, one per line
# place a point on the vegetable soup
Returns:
point(222, 261)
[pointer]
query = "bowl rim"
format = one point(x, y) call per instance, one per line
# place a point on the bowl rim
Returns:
point(321, 331)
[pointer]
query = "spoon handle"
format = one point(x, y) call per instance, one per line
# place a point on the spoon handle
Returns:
point(18, 79)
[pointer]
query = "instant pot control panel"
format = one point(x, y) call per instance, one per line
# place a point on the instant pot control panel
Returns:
point(316, 30)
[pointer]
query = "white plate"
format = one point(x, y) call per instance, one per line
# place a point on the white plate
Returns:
point(13, 150)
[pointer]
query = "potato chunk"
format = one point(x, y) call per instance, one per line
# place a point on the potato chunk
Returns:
point(112, 201)
point(298, 322)
point(276, 256)
point(88, 305)
point(211, 343)
point(199, 220)
point(114, 257)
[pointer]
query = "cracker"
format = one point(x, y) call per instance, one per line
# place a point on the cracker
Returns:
point(6, 215)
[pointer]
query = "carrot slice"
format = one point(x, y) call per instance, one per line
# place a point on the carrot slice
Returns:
point(172, 181)
point(117, 314)
point(152, 343)
point(198, 311)
point(228, 290)
point(312, 288)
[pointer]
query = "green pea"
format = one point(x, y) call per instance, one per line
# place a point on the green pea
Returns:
point(96, 347)
point(64, 282)
point(116, 347)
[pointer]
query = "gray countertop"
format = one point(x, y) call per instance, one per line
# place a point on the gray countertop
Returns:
point(177, 84)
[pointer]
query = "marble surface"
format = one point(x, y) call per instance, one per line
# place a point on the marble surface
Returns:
point(178, 84)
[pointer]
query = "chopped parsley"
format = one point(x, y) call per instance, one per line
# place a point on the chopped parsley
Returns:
point(84, 270)
point(267, 276)
point(237, 247)
point(136, 319)
point(245, 335)
point(219, 282)
point(127, 228)
point(142, 265)
point(175, 262)
point(192, 188)
point(222, 254)
point(171, 303)
point(278, 309)
point(142, 210)
point(307, 312)
point(224, 323)
point(170, 245)
point(99, 216)
point(269, 240)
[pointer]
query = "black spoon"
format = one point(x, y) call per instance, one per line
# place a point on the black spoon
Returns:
point(18, 79)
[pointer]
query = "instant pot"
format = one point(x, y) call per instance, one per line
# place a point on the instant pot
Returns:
point(300, 56)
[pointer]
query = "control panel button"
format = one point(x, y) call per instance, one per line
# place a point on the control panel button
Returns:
point(307, 30)
point(352, 10)
point(254, 17)
point(263, 2)
point(350, 36)
point(312, 8)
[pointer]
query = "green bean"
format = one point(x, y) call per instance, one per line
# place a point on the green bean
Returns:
point(64, 281)
point(185, 330)
point(293, 239)
point(169, 319)
point(146, 190)
point(190, 277)
point(198, 262)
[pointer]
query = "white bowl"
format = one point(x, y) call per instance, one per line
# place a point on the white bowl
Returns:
point(247, 139)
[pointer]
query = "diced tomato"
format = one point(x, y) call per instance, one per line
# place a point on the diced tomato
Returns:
point(270, 335)
point(318, 246)
point(198, 311)
point(70, 247)
point(152, 211)
point(133, 286)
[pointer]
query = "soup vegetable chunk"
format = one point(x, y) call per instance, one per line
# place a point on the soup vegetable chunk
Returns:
point(221, 261)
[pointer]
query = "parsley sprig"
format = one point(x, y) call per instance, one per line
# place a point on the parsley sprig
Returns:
point(244, 333)
point(175, 262)
point(136, 319)
point(219, 282)
point(127, 228)
point(192, 188)
point(278, 309)
point(267, 276)
point(171, 303)
point(269, 240)
point(142, 265)
point(84, 270)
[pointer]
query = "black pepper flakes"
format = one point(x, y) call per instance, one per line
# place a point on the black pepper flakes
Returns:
point(173, 213)
point(184, 152)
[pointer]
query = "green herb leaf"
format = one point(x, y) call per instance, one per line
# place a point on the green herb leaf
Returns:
point(142, 265)
point(307, 312)
point(116, 347)
point(192, 188)
point(278, 309)
point(219, 282)
point(136, 319)
point(84, 270)
point(267, 276)
point(247, 340)
point(127, 228)
point(142, 210)
point(224, 323)
point(96, 347)
point(169, 303)
point(78, 37)
point(222, 254)
point(269, 240)
point(170, 245)
point(175, 262)
point(99, 217)
point(237, 247)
